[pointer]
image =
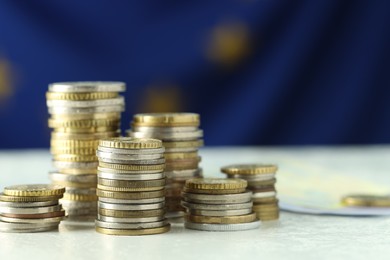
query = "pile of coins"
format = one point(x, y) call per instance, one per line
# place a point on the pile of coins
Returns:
point(218, 205)
point(131, 184)
point(31, 208)
point(261, 181)
point(81, 114)
point(181, 138)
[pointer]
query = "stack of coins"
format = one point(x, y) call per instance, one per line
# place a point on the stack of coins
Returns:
point(218, 205)
point(81, 114)
point(131, 185)
point(31, 208)
point(261, 181)
point(181, 138)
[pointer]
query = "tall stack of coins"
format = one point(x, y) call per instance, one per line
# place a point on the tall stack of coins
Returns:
point(261, 181)
point(181, 138)
point(81, 114)
point(31, 208)
point(131, 184)
point(218, 205)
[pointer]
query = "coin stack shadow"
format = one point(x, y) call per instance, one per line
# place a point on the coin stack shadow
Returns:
point(218, 205)
point(131, 184)
point(31, 208)
point(81, 114)
point(261, 181)
point(181, 138)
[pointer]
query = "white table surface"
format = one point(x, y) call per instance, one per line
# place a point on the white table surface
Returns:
point(294, 236)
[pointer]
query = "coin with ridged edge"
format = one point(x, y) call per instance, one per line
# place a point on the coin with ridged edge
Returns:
point(223, 227)
point(249, 169)
point(215, 192)
point(128, 189)
point(23, 199)
point(131, 213)
point(134, 232)
point(129, 220)
point(215, 184)
point(221, 220)
point(34, 190)
point(131, 195)
point(131, 143)
point(166, 119)
point(133, 167)
point(80, 96)
point(87, 86)
point(131, 184)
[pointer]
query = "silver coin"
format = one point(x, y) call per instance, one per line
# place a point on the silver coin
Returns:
point(188, 205)
point(129, 220)
point(55, 220)
point(164, 130)
point(87, 86)
point(81, 191)
point(134, 207)
point(253, 177)
point(219, 213)
point(132, 151)
point(89, 110)
point(128, 157)
point(218, 199)
point(181, 150)
point(184, 173)
point(39, 210)
point(222, 227)
point(119, 101)
point(80, 178)
point(264, 194)
point(131, 177)
point(75, 165)
point(28, 204)
point(136, 162)
point(72, 204)
point(141, 225)
point(168, 136)
point(26, 227)
point(115, 171)
point(125, 201)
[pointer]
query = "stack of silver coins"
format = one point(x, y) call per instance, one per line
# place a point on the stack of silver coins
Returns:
point(81, 114)
point(218, 205)
point(131, 184)
point(181, 138)
point(261, 181)
point(31, 208)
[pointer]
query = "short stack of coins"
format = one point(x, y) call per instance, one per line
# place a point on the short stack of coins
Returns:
point(31, 208)
point(261, 181)
point(81, 114)
point(218, 205)
point(131, 185)
point(181, 138)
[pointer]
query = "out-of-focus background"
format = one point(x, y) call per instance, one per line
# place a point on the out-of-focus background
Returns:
point(259, 72)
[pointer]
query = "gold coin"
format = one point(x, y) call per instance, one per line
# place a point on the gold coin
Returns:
point(212, 192)
point(183, 144)
point(80, 197)
point(175, 156)
point(74, 158)
point(34, 190)
point(265, 207)
point(249, 169)
point(69, 184)
point(134, 232)
point(77, 171)
point(80, 96)
point(82, 137)
point(363, 200)
point(215, 184)
point(181, 166)
point(265, 200)
point(55, 123)
point(111, 115)
point(8, 198)
point(131, 184)
point(222, 220)
point(166, 119)
point(89, 130)
point(130, 195)
point(268, 217)
point(131, 143)
point(74, 144)
point(127, 189)
point(76, 151)
point(128, 167)
point(131, 213)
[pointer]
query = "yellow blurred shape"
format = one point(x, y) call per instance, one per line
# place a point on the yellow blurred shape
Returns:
point(159, 99)
point(5, 79)
point(229, 44)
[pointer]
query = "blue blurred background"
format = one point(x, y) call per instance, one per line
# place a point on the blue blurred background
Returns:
point(259, 72)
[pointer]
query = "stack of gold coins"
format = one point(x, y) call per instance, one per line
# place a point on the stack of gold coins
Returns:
point(218, 205)
point(81, 114)
point(31, 208)
point(181, 138)
point(131, 184)
point(261, 181)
